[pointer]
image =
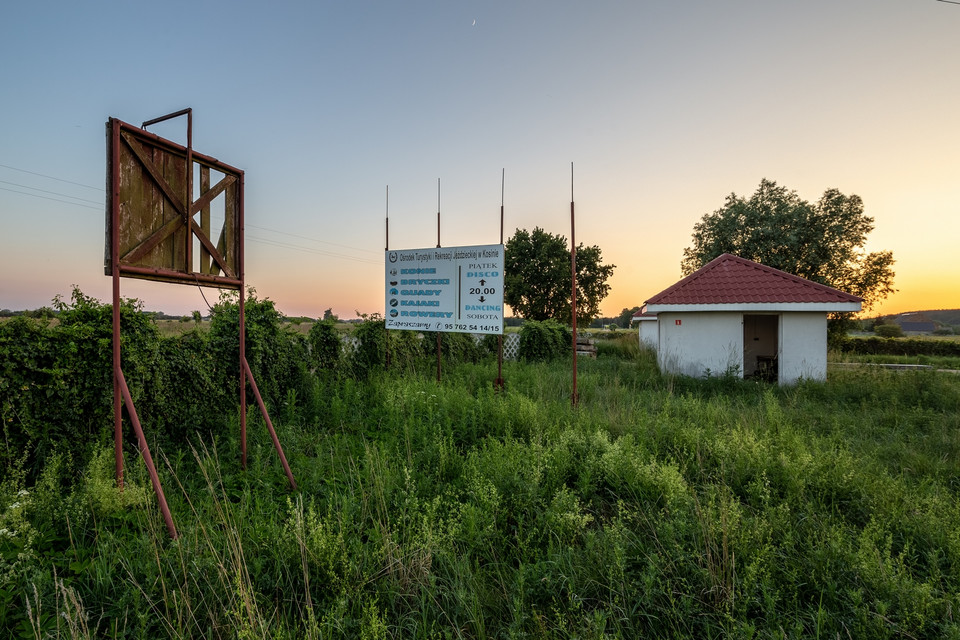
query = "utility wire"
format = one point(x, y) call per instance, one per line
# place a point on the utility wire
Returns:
point(287, 245)
point(294, 235)
point(266, 241)
point(23, 186)
point(87, 206)
point(43, 175)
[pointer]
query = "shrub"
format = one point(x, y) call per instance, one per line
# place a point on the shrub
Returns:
point(545, 340)
point(278, 358)
point(183, 396)
point(888, 331)
point(900, 347)
point(370, 353)
point(325, 345)
point(455, 347)
point(56, 382)
point(489, 343)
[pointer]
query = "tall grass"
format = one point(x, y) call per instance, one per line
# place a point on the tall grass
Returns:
point(661, 507)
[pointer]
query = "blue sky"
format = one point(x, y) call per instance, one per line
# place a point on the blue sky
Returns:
point(663, 107)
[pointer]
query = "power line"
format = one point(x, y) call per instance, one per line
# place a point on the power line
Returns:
point(87, 206)
point(43, 175)
point(294, 235)
point(287, 245)
point(23, 186)
point(266, 241)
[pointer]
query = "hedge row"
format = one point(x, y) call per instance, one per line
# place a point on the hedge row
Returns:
point(900, 347)
point(56, 380)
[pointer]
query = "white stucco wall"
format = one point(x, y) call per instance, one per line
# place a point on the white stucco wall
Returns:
point(713, 341)
point(803, 347)
point(647, 328)
point(699, 342)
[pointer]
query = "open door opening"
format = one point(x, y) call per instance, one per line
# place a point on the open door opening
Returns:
point(761, 342)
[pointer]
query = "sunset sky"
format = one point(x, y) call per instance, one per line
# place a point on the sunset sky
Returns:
point(664, 108)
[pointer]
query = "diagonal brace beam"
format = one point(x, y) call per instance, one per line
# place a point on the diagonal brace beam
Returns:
point(266, 418)
point(156, 174)
point(145, 453)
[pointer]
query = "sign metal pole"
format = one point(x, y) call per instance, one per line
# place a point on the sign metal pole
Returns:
point(499, 383)
point(575, 398)
point(386, 338)
point(438, 246)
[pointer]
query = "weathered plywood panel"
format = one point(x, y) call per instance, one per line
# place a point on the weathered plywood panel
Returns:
point(152, 212)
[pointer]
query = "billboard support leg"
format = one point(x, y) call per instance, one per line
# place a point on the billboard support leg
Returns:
point(266, 418)
point(147, 458)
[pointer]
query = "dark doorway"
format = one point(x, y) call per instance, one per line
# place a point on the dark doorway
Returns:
point(761, 346)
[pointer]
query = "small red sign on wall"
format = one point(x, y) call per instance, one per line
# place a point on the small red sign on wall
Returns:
point(678, 321)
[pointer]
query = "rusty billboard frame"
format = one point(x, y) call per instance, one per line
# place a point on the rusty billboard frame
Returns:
point(150, 234)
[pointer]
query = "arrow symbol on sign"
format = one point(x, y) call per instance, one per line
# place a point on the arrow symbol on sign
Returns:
point(482, 299)
point(483, 283)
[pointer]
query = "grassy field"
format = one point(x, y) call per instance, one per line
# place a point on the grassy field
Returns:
point(661, 507)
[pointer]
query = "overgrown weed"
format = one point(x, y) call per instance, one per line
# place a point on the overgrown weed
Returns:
point(659, 507)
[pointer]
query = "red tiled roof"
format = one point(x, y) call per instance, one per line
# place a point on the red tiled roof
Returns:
point(729, 279)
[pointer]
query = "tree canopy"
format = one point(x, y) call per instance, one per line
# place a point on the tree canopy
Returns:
point(537, 279)
point(822, 242)
point(623, 320)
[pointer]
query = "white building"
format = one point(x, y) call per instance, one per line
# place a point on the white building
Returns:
point(646, 324)
point(744, 318)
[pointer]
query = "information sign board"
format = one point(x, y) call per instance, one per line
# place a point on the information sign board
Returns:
point(449, 289)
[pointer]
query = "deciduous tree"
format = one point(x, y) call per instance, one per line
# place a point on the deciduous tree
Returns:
point(822, 242)
point(623, 320)
point(537, 282)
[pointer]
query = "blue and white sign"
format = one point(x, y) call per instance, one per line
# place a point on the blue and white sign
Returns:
point(450, 289)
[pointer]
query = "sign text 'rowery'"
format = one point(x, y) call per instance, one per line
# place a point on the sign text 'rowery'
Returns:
point(452, 289)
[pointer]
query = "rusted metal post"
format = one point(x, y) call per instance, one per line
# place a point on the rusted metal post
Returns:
point(499, 383)
point(115, 269)
point(438, 356)
point(575, 398)
point(205, 258)
point(189, 189)
point(243, 340)
point(147, 458)
point(438, 246)
point(266, 418)
point(386, 247)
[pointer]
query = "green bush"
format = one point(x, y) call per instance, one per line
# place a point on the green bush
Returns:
point(184, 399)
point(543, 341)
point(326, 346)
point(900, 347)
point(279, 359)
point(56, 381)
point(888, 330)
point(455, 347)
point(370, 352)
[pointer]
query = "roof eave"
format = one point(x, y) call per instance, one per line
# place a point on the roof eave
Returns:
point(824, 307)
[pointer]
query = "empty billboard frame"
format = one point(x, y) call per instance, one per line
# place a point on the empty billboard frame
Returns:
point(158, 236)
point(152, 232)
